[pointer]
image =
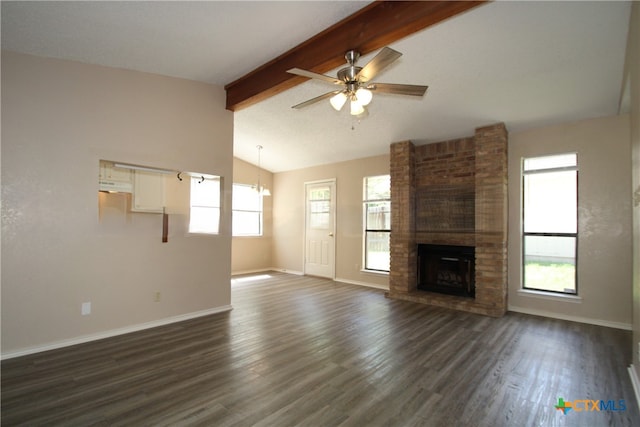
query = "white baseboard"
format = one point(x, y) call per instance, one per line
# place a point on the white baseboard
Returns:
point(367, 284)
point(300, 273)
point(598, 322)
point(265, 270)
point(258, 270)
point(635, 382)
point(284, 270)
point(114, 332)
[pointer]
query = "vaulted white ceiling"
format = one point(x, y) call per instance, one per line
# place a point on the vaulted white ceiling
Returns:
point(527, 64)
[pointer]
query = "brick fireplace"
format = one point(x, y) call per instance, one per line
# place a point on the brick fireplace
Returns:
point(451, 193)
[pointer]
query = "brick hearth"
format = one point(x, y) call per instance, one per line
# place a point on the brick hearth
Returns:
point(451, 193)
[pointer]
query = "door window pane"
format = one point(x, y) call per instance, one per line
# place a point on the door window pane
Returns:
point(319, 215)
point(323, 193)
point(320, 208)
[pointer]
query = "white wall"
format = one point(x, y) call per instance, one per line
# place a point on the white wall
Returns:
point(604, 219)
point(59, 119)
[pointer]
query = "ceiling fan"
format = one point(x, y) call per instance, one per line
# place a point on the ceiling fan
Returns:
point(355, 82)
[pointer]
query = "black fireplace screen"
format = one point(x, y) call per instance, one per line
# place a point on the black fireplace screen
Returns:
point(447, 269)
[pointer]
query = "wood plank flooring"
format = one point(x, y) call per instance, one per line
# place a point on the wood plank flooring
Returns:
point(308, 351)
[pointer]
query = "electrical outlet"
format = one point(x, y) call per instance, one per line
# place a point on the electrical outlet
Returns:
point(86, 308)
point(156, 297)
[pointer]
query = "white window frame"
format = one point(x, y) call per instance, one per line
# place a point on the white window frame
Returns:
point(548, 233)
point(365, 226)
point(260, 211)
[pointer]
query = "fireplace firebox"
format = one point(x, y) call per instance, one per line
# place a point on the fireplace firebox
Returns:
point(447, 269)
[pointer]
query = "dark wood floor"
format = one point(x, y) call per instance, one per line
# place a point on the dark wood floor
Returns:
point(308, 351)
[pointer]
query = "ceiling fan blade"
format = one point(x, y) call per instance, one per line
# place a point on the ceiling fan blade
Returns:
point(312, 75)
point(316, 99)
point(398, 89)
point(383, 59)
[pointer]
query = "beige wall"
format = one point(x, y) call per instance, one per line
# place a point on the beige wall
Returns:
point(58, 119)
point(61, 117)
point(288, 216)
point(604, 219)
point(250, 254)
point(633, 76)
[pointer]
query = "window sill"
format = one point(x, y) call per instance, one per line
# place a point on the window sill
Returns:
point(550, 296)
point(375, 272)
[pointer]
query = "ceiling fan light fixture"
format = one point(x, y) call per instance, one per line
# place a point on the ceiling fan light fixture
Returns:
point(337, 101)
point(356, 107)
point(364, 96)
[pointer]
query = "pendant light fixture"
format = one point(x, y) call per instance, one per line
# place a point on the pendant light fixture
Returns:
point(259, 188)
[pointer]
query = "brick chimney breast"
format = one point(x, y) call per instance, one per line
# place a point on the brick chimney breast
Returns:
point(451, 193)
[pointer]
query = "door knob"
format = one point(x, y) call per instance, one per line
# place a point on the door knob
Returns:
point(330, 234)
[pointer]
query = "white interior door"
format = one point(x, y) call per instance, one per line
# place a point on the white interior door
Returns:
point(319, 256)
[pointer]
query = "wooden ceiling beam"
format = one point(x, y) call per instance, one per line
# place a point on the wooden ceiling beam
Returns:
point(373, 27)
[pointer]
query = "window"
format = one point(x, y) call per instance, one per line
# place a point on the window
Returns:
point(377, 222)
point(320, 208)
point(205, 205)
point(550, 223)
point(247, 211)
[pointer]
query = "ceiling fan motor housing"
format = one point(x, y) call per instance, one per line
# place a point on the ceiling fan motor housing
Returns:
point(349, 74)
